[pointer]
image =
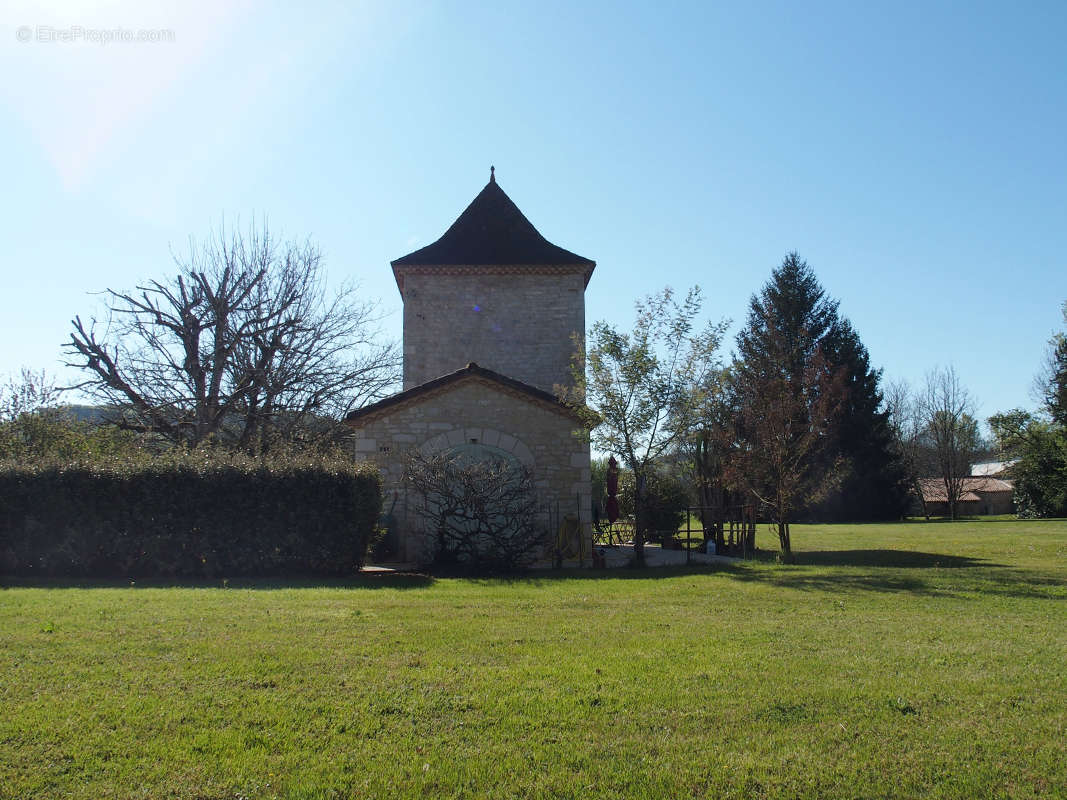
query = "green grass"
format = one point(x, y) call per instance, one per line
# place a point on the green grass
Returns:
point(910, 660)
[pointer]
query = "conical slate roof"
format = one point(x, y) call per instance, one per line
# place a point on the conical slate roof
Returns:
point(491, 232)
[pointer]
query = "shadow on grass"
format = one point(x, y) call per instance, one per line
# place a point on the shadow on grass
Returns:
point(888, 558)
point(966, 519)
point(842, 571)
point(372, 580)
point(993, 580)
point(832, 571)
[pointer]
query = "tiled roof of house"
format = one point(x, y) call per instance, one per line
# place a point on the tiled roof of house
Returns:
point(492, 231)
point(933, 489)
point(985, 484)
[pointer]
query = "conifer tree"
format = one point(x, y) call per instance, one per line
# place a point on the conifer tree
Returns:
point(810, 425)
point(780, 448)
point(875, 483)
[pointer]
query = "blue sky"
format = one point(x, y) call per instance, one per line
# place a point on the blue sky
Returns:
point(913, 153)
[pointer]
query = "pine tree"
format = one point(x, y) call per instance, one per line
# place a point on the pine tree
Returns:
point(780, 448)
point(875, 482)
point(831, 432)
point(792, 306)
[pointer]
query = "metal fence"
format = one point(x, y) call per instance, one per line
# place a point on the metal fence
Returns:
point(731, 529)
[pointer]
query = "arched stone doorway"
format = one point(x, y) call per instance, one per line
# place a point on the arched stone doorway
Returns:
point(489, 439)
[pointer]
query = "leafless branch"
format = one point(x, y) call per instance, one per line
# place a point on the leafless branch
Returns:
point(483, 513)
point(242, 343)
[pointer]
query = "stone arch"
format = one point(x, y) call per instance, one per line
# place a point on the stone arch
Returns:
point(489, 437)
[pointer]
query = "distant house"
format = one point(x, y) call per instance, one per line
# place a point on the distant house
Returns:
point(993, 469)
point(981, 495)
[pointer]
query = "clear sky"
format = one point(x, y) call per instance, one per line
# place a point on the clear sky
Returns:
point(913, 153)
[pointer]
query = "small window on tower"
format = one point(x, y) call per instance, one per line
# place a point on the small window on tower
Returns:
point(474, 441)
point(384, 448)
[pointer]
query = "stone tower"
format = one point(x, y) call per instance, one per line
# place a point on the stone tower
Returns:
point(491, 313)
point(494, 291)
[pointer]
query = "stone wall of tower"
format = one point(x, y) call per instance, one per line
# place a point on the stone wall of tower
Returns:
point(520, 325)
point(473, 411)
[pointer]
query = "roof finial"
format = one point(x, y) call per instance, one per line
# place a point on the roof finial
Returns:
point(492, 174)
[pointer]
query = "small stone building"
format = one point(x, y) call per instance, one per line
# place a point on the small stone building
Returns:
point(492, 311)
point(980, 496)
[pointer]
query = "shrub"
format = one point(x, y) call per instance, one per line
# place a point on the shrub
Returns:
point(187, 514)
point(667, 500)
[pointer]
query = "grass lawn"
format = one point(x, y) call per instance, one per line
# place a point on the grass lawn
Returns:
point(910, 660)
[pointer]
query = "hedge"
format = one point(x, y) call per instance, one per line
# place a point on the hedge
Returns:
point(197, 520)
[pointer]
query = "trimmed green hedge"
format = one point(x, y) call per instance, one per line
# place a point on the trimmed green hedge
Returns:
point(186, 518)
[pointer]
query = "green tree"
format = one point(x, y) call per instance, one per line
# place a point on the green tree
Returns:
point(638, 390)
point(782, 447)
point(1038, 443)
point(809, 429)
point(35, 428)
point(1039, 449)
point(874, 485)
point(665, 500)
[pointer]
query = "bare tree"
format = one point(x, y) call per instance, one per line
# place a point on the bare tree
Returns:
point(780, 447)
point(947, 412)
point(30, 392)
point(242, 342)
point(483, 513)
point(28, 415)
point(703, 452)
point(909, 433)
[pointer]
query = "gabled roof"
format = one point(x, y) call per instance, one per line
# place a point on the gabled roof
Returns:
point(933, 489)
point(471, 371)
point(492, 232)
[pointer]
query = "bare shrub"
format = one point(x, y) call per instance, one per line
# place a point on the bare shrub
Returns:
point(483, 513)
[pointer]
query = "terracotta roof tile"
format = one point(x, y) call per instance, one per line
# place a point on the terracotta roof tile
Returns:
point(933, 489)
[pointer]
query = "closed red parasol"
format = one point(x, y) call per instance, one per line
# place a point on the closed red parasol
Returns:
point(612, 507)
